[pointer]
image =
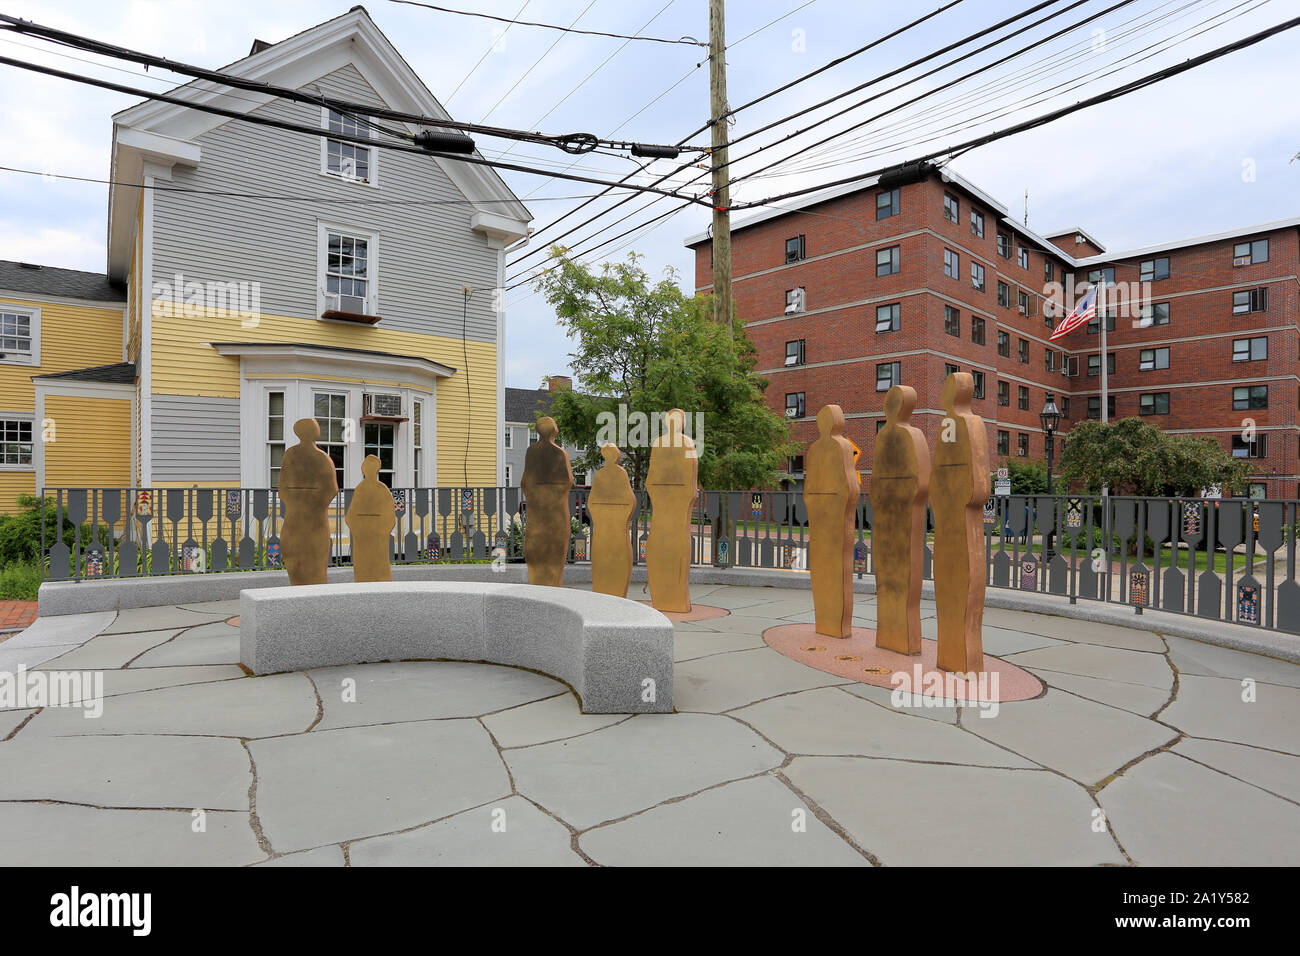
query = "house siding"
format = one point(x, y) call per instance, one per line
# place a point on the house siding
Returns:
point(195, 439)
point(93, 448)
point(427, 250)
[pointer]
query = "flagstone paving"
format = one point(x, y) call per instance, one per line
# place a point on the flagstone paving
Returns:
point(1142, 749)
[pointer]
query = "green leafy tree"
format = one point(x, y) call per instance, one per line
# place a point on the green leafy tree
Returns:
point(1134, 457)
point(1027, 478)
point(649, 347)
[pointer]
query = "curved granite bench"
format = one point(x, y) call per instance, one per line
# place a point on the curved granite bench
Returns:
point(617, 655)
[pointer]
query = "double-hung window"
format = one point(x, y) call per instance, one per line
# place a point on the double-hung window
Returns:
point(331, 412)
point(1250, 350)
point(16, 442)
point(19, 335)
point(343, 157)
point(348, 270)
point(1150, 359)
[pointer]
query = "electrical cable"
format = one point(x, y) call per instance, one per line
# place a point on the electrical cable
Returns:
point(570, 142)
point(688, 41)
point(492, 46)
point(324, 133)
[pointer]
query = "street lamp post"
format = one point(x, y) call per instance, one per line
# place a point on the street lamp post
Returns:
point(1050, 416)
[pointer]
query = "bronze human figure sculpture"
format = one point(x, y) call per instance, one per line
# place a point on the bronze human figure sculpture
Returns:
point(672, 484)
point(610, 505)
point(307, 487)
point(370, 520)
point(830, 493)
point(900, 482)
point(959, 488)
point(545, 483)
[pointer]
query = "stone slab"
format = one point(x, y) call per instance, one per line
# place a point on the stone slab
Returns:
point(109, 651)
point(159, 618)
point(11, 720)
point(1213, 707)
point(1209, 660)
point(1084, 740)
point(337, 785)
point(1169, 811)
point(508, 832)
point(52, 834)
point(912, 814)
point(249, 707)
point(636, 764)
point(214, 643)
point(1135, 698)
point(1105, 663)
point(830, 722)
point(747, 823)
point(59, 631)
point(722, 682)
point(144, 771)
point(322, 856)
point(541, 721)
point(1277, 773)
point(388, 693)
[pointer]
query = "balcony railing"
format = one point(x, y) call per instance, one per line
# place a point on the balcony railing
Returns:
point(1223, 559)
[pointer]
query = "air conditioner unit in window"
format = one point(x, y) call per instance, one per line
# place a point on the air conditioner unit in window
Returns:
point(354, 304)
point(382, 405)
point(795, 302)
point(791, 412)
point(1241, 261)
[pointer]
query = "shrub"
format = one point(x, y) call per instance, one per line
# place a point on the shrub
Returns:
point(19, 582)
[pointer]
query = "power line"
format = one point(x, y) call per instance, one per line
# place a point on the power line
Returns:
point(603, 64)
point(571, 142)
point(233, 194)
point(324, 133)
point(1122, 90)
point(687, 41)
point(920, 60)
point(545, 54)
point(491, 46)
point(569, 232)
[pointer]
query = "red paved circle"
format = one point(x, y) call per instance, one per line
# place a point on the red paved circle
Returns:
point(858, 658)
point(698, 612)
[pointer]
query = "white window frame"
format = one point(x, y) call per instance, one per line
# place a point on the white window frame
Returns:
point(508, 438)
point(509, 474)
point(372, 161)
point(323, 230)
point(28, 417)
point(34, 323)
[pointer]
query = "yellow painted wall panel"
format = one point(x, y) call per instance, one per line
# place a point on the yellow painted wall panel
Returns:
point(184, 365)
point(92, 442)
point(72, 336)
point(13, 484)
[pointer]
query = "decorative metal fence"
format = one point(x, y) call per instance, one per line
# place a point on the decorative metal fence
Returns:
point(1224, 559)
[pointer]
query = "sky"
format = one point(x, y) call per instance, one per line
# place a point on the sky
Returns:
point(1206, 151)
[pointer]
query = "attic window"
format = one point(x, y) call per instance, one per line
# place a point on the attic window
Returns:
point(343, 158)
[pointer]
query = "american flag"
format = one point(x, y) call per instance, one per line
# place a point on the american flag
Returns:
point(1083, 313)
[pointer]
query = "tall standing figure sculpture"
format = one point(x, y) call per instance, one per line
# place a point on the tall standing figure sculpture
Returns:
point(546, 483)
point(830, 493)
point(610, 505)
point(672, 483)
point(307, 487)
point(900, 482)
point(370, 520)
point(958, 492)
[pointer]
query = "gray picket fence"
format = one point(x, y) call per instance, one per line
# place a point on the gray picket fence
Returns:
point(1226, 559)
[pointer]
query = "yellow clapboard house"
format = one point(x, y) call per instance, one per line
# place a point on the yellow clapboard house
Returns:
point(258, 275)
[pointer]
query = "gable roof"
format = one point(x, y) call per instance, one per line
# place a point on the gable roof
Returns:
point(53, 281)
point(525, 404)
point(164, 133)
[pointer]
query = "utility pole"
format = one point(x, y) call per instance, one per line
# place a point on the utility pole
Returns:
point(721, 176)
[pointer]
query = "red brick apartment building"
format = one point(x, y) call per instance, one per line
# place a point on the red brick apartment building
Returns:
point(919, 272)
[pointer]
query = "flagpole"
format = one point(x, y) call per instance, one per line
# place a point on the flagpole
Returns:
point(1101, 319)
